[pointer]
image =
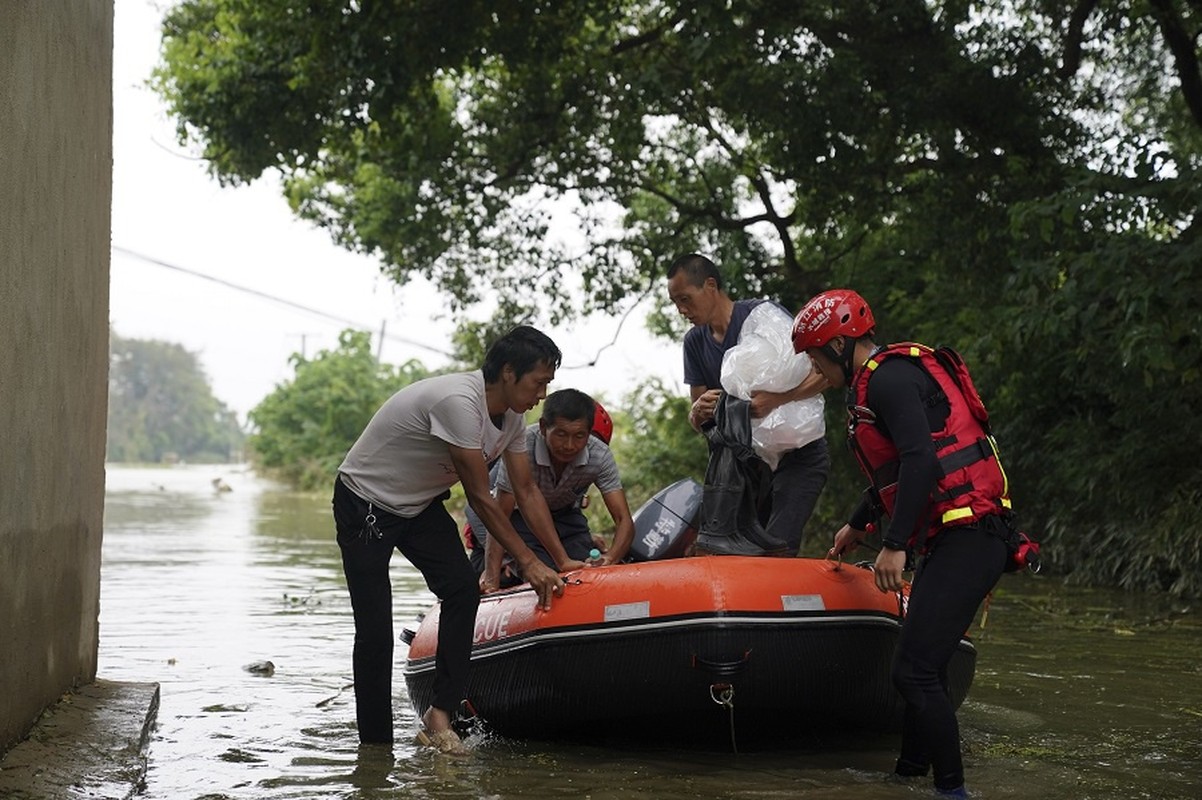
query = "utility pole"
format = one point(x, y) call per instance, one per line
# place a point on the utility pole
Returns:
point(304, 337)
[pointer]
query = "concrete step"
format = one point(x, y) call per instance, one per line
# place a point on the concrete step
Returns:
point(92, 743)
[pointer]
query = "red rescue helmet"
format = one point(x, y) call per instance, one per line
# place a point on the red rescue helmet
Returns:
point(603, 424)
point(838, 312)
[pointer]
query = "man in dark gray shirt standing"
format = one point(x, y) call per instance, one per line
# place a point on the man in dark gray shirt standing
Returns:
point(695, 288)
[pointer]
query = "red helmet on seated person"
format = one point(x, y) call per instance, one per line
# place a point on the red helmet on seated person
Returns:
point(603, 424)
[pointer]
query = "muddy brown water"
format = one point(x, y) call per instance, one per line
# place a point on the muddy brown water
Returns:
point(1078, 693)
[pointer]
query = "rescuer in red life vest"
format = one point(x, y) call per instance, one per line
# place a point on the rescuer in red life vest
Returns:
point(920, 433)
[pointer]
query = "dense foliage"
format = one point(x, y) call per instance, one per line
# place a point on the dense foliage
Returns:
point(304, 428)
point(161, 407)
point(653, 443)
point(1018, 180)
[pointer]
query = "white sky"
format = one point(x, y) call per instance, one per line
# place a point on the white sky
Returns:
point(166, 208)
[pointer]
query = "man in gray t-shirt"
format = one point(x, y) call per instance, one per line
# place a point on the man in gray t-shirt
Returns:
point(388, 495)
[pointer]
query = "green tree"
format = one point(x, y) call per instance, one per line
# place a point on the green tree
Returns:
point(653, 442)
point(303, 429)
point(161, 406)
point(1019, 180)
point(773, 134)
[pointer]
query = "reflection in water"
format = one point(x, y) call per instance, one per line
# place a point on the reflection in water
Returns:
point(1078, 694)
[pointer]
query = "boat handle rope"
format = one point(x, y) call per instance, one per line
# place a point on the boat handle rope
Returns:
point(724, 695)
point(838, 562)
point(721, 669)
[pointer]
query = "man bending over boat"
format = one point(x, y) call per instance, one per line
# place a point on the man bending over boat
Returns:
point(389, 494)
point(567, 455)
point(920, 433)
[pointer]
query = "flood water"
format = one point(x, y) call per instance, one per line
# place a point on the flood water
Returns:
point(1078, 694)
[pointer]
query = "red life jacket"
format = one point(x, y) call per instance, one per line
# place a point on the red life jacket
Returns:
point(972, 483)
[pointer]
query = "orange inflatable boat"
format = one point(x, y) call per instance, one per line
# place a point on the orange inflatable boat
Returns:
point(708, 646)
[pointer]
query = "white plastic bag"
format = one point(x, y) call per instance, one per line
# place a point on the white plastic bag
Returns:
point(764, 360)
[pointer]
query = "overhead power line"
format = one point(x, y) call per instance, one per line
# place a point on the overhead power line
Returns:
point(358, 325)
point(275, 299)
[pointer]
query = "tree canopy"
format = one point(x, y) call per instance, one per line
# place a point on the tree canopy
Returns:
point(1018, 180)
point(653, 442)
point(161, 407)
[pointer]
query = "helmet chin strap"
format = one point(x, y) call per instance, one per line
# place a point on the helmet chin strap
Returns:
point(844, 359)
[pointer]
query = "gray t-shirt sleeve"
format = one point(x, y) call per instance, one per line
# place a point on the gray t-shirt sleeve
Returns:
point(522, 444)
point(518, 443)
point(607, 479)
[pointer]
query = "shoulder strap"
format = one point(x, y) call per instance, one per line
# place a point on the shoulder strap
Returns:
point(951, 361)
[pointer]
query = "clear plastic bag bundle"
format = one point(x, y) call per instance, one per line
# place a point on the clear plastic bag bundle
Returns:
point(764, 360)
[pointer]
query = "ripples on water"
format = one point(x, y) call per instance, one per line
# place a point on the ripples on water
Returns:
point(1072, 700)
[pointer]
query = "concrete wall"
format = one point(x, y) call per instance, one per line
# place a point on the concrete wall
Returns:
point(55, 195)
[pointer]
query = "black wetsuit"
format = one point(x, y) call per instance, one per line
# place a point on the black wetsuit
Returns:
point(960, 567)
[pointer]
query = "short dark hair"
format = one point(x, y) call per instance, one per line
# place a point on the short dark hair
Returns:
point(697, 267)
point(523, 348)
point(570, 405)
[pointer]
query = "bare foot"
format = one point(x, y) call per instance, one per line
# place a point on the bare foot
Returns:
point(435, 719)
point(436, 732)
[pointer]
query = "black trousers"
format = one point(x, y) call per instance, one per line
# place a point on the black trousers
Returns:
point(796, 484)
point(572, 527)
point(430, 541)
point(961, 567)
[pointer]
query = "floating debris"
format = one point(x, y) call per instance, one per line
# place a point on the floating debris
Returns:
point(264, 668)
